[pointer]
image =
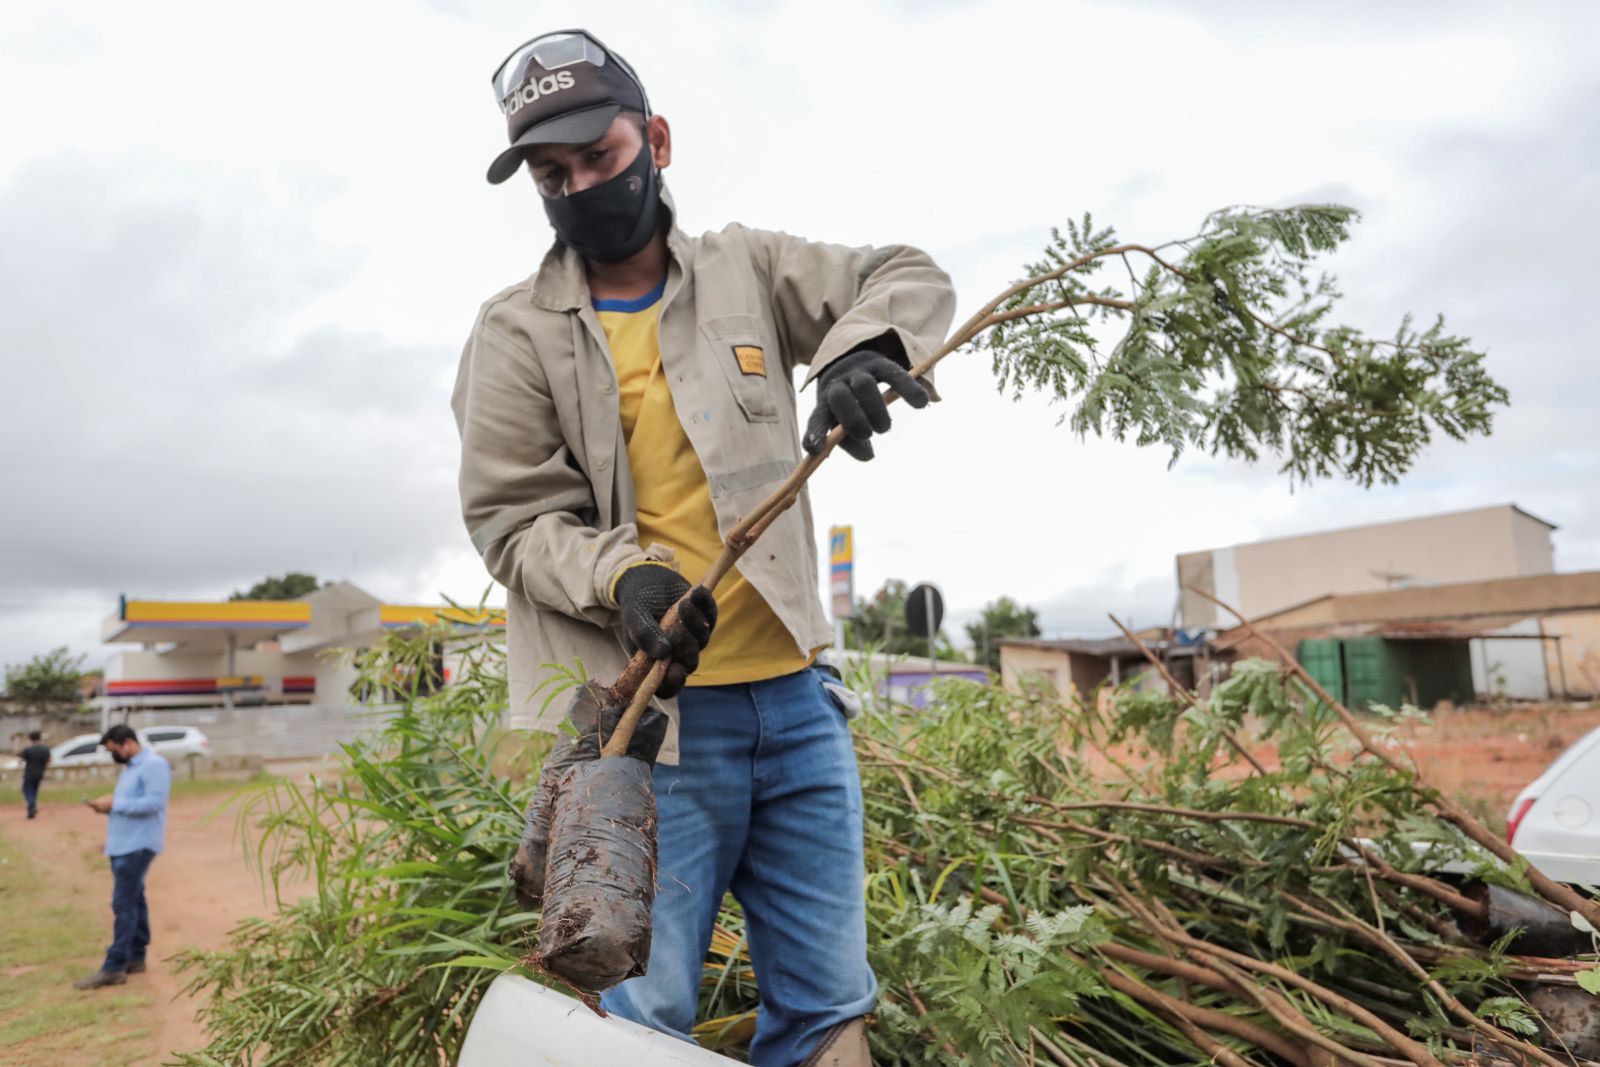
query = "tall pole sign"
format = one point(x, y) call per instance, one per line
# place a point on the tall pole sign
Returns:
point(924, 613)
point(841, 578)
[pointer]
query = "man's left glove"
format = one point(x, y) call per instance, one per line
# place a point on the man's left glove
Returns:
point(848, 396)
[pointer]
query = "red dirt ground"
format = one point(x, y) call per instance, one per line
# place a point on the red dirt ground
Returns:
point(1488, 755)
point(1484, 756)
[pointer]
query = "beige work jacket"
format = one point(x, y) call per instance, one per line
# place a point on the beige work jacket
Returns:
point(545, 486)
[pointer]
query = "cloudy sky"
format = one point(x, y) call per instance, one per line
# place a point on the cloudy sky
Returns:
point(240, 246)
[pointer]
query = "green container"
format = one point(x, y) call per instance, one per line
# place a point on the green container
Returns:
point(1374, 672)
point(1323, 659)
point(1363, 671)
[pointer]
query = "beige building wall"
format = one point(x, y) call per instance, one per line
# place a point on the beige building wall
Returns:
point(1579, 657)
point(1536, 552)
point(1051, 664)
point(1267, 576)
point(1073, 674)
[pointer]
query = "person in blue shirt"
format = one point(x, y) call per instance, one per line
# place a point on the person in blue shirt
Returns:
point(134, 835)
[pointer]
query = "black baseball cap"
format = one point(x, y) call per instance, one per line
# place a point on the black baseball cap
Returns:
point(561, 88)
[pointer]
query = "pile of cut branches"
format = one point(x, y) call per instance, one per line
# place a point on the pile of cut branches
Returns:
point(1048, 883)
point(1053, 884)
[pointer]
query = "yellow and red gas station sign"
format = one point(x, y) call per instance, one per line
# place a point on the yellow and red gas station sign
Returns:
point(842, 571)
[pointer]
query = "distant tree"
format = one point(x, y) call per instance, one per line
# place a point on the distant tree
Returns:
point(291, 586)
point(1001, 618)
point(881, 622)
point(52, 678)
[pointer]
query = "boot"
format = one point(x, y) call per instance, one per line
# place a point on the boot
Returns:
point(592, 712)
point(101, 978)
point(844, 1045)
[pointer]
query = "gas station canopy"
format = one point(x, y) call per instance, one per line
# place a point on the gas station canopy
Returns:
point(204, 624)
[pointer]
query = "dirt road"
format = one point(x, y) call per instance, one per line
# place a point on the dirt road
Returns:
point(197, 889)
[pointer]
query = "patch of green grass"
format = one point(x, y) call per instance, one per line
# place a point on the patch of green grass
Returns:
point(44, 945)
point(76, 791)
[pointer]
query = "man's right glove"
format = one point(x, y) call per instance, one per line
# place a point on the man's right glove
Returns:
point(591, 718)
point(644, 593)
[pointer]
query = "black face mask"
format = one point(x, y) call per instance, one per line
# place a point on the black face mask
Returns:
point(614, 220)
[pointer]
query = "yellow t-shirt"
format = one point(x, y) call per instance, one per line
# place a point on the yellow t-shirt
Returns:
point(750, 643)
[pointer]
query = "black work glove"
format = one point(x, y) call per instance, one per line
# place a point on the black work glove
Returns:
point(591, 717)
point(848, 396)
point(644, 594)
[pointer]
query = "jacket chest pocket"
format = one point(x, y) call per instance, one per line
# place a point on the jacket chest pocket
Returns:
point(738, 344)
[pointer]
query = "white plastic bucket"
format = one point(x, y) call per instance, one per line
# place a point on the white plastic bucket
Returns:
point(521, 1024)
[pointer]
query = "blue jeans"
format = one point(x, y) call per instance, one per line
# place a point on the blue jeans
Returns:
point(131, 931)
point(30, 794)
point(765, 802)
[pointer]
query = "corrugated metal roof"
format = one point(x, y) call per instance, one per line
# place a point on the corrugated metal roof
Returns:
point(1090, 646)
point(1394, 630)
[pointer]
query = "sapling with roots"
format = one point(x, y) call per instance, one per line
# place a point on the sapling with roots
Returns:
point(1223, 341)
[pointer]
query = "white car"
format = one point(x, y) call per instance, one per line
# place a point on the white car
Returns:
point(1555, 821)
point(173, 742)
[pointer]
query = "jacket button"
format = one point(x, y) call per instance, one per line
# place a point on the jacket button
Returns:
point(603, 462)
point(606, 388)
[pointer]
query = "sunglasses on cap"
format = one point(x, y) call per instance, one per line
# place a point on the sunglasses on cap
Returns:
point(553, 51)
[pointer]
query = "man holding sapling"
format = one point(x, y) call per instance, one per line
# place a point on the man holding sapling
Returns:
point(619, 411)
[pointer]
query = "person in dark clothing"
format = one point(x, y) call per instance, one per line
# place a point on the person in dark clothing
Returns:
point(35, 758)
